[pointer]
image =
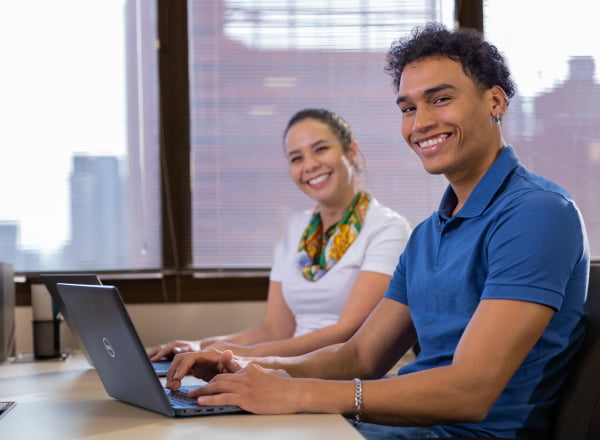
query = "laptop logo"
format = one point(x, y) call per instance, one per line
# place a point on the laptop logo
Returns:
point(108, 347)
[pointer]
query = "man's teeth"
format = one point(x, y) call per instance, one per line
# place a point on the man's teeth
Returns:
point(318, 180)
point(433, 141)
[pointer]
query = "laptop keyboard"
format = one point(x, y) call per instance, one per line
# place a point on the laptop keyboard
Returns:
point(179, 398)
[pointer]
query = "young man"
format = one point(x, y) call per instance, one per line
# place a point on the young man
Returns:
point(492, 285)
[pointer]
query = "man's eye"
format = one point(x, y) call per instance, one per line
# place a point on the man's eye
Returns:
point(441, 100)
point(407, 109)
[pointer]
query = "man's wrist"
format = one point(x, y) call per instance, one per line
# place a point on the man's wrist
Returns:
point(358, 397)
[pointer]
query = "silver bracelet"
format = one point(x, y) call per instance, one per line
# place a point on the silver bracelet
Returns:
point(357, 400)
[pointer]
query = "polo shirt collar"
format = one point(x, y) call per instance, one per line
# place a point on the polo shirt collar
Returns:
point(485, 190)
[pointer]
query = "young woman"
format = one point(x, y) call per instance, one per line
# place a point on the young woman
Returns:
point(333, 263)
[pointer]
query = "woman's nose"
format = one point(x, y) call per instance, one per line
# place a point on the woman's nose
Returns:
point(311, 162)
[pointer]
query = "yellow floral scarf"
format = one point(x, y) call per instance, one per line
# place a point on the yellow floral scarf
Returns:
point(318, 252)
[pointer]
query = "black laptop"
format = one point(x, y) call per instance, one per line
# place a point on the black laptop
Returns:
point(106, 329)
point(51, 280)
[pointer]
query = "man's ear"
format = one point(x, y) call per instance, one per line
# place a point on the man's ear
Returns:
point(499, 102)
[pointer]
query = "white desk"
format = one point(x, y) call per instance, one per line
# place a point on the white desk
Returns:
point(65, 400)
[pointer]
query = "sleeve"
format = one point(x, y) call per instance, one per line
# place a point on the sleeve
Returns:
point(534, 248)
point(286, 244)
point(275, 274)
point(397, 287)
point(386, 243)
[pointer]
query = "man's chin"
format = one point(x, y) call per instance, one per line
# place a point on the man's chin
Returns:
point(435, 171)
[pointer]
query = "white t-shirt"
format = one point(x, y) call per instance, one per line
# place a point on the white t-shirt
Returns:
point(318, 304)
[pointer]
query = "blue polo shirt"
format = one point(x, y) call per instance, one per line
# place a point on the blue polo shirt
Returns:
point(518, 237)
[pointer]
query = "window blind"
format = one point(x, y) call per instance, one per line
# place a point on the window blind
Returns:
point(553, 119)
point(253, 64)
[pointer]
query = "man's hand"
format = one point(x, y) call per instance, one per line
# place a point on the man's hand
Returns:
point(204, 365)
point(251, 387)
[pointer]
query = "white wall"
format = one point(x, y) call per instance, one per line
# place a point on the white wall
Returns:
point(158, 323)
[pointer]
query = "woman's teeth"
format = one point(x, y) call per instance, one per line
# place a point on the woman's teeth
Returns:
point(318, 180)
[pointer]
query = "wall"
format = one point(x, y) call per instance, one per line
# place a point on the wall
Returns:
point(158, 323)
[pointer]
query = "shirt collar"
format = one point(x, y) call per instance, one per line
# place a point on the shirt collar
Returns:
point(485, 190)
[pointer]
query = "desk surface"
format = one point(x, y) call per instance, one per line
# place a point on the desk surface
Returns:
point(65, 399)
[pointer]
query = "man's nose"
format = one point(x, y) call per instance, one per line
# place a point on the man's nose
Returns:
point(423, 119)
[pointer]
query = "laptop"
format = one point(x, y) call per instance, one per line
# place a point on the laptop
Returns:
point(50, 280)
point(106, 329)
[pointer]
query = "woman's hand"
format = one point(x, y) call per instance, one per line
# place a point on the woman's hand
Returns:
point(172, 348)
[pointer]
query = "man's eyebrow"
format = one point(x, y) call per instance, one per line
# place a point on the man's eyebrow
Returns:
point(427, 92)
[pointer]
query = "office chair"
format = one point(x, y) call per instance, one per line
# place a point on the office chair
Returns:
point(578, 409)
point(578, 412)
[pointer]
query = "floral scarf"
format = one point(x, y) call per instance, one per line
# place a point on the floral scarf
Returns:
point(318, 252)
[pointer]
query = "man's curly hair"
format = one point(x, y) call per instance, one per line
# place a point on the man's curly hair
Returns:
point(480, 60)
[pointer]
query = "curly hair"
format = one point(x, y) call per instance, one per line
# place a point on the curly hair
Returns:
point(480, 60)
point(338, 125)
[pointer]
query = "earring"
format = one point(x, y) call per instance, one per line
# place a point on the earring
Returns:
point(496, 118)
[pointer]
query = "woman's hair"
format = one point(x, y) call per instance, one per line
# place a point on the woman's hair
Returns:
point(480, 60)
point(338, 125)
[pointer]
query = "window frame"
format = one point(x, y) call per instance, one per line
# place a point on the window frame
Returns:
point(176, 282)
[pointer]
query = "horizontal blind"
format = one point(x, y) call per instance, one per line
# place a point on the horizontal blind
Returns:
point(255, 63)
point(553, 120)
point(79, 164)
